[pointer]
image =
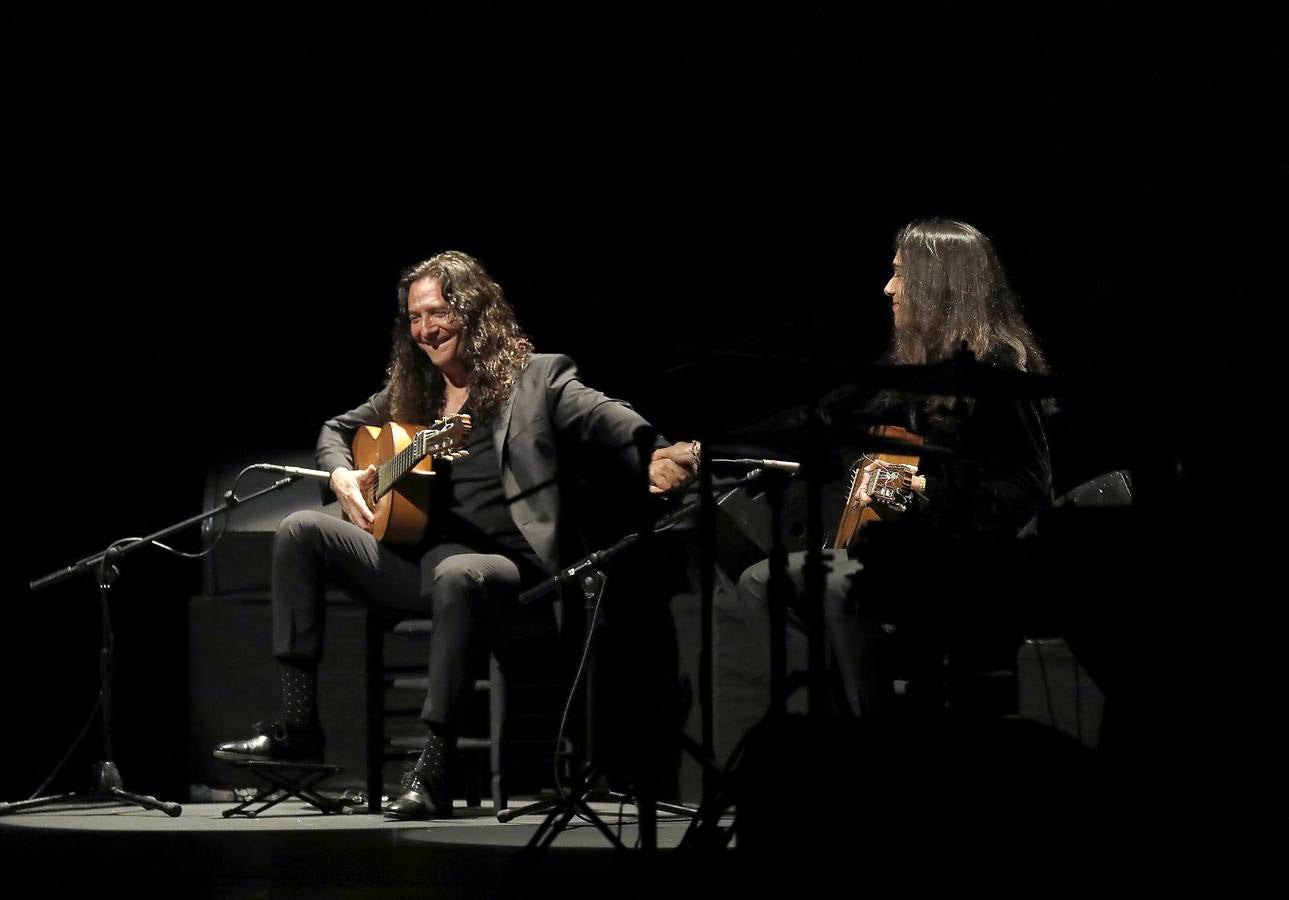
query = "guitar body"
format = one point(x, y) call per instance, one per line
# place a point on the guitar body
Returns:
point(853, 516)
point(401, 512)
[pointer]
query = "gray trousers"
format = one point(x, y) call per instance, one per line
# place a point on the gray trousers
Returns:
point(858, 644)
point(468, 595)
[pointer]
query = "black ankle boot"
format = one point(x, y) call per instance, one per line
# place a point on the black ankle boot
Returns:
point(425, 785)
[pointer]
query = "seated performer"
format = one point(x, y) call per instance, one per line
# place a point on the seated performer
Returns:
point(947, 289)
point(494, 524)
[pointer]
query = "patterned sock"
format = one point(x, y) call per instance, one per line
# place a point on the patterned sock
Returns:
point(434, 758)
point(299, 692)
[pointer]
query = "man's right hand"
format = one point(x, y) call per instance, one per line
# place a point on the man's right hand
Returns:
point(350, 487)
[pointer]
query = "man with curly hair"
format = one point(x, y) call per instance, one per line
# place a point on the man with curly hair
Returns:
point(495, 515)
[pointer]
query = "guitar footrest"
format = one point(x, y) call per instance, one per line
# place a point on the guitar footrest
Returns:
point(285, 780)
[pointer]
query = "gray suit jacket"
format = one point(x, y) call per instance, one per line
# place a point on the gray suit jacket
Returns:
point(549, 406)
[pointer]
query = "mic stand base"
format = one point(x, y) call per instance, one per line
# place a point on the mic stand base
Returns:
point(106, 787)
point(586, 794)
point(577, 801)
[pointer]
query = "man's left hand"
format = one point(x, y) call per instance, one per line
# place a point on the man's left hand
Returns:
point(673, 467)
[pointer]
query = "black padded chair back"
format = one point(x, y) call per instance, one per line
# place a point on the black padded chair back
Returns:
point(1113, 489)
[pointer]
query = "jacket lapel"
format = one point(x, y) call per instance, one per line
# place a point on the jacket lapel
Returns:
point(502, 425)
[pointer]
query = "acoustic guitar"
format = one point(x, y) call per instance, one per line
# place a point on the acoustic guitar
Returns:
point(890, 487)
point(399, 496)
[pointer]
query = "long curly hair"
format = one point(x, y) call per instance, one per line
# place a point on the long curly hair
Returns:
point(496, 348)
point(955, 290)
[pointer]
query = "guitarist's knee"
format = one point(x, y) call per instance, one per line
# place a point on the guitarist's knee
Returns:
point(301, 526)
point(455, 580)
point(313, 532)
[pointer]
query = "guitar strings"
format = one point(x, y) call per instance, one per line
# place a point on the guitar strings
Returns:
point(402, 462)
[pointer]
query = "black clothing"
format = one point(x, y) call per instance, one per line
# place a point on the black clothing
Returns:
point(998, 474)
point(920, 574)
point(501, 528)
point(468, 506)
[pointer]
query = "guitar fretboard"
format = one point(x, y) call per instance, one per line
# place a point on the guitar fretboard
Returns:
point(399, 465)
point(430, 442)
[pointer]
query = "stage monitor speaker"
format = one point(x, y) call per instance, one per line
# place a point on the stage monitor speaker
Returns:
point(743, 524)
point(1105, 493)
point(1055, 690)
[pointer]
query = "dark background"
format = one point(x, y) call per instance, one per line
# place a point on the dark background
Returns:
point(208, 217)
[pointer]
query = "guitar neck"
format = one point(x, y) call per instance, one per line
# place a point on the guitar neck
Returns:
point(444, 439)
point(399, 465)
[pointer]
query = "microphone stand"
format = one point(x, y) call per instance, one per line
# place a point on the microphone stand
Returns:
point(106, 785)
point(705, 833)
point(589, 571)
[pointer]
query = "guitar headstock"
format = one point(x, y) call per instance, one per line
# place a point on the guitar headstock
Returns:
point(446, 438)
point(890, 485)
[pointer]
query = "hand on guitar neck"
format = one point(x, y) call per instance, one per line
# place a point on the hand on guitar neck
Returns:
point(351, 487)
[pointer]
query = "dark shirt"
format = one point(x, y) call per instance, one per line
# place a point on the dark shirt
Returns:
point(969, 577)
point(997, 474)
point(468, 504)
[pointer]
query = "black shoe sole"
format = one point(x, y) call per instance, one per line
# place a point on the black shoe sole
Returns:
point(421, 816)
point(229, 756)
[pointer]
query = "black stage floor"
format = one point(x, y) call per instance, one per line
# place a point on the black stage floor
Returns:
point(292, 850)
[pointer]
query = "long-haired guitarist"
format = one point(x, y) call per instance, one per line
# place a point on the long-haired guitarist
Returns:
point(473, 464)
point(947, 289)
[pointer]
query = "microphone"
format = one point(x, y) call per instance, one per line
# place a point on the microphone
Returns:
point(779, 465)
point(295, 471)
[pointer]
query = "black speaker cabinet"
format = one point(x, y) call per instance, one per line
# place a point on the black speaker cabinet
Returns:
point(234, 683)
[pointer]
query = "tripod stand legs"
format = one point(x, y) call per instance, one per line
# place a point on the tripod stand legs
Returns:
point(147, 801)
point(660, 805)
point(578, 801)
point(36, 803)
point(561, 811)
point(105, 787)
point(107, 782)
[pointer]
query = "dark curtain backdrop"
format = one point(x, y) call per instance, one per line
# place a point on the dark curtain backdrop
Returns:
point(207, 218)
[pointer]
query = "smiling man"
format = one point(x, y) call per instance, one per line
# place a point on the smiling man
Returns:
point(495, 522)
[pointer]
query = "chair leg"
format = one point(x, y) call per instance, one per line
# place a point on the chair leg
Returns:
point(375, 713)
point(473, 796)
point(376, 720)
point(496, 726)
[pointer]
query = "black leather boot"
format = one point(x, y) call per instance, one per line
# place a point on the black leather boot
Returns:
point(425, 785)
